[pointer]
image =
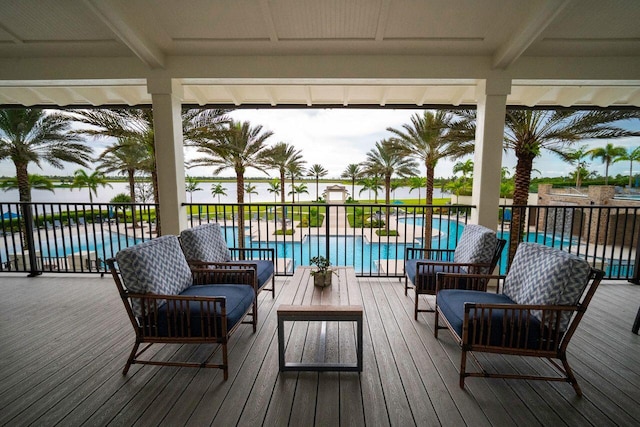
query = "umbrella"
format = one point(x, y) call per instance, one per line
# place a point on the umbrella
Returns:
point(10, 215)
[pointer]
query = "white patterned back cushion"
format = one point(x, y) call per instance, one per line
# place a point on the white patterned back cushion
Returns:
point(205, 243)
point(157, 266)
point(476, 245)
point(544, 275)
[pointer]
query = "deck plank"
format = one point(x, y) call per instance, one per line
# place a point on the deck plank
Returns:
point(64, 366)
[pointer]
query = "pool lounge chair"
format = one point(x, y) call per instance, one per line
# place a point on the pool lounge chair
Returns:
point(534, 313)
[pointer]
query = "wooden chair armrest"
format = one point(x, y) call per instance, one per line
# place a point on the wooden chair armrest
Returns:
point(270, 252)
point(431, 254)
point(466, 281)
point(211, 273)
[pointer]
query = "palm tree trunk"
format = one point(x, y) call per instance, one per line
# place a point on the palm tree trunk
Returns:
point(520, 198)
point(282, 198)
point(428, 214)
point(387, 200)
point(606, 173)
point(240, 191)
point(353, 188)
point(156, 196)
point(132, 194)
point(318, 190)
point(22, 177)
point(630, 174)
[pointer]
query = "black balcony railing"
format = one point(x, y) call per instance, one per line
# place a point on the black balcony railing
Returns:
point(62, 237)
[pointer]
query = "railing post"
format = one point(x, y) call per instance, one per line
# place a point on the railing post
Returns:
point(327, 233)
point(636, 266)
point(28, 239)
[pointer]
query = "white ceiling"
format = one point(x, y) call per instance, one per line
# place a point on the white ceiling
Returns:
point(320, 52)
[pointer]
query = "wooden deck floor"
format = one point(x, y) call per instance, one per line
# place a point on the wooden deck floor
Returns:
point(64, 341)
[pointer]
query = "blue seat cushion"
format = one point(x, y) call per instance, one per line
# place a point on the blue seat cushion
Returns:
point(238, 300)
point(425, 281)
point(451, 304)
point(264, 267)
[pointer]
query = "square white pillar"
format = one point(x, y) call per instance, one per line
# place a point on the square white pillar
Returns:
point(166, 96)
point(492, 107)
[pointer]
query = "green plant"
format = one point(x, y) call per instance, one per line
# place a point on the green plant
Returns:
point(322, 263)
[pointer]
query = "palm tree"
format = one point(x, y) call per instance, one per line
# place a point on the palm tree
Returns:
point(352, 172)
point(431, 137)
point(294, 170)
point(395, 184)
point(417, 183)
point(36, 182)
point(250, 189)
point(371, 184)
point(280, 157)
point(633, 155)
point(239, 148)
point(218, 190)
point(466, 168)
point(529, 132)
point(90, 181)
point(299, 189)
point(608, 154)
point(576, 159)
point(31, 135)
point(457, 187)
point(316, 172)
point(274, 187)
point(387, 159)
point(125, 156)
point(191, 186)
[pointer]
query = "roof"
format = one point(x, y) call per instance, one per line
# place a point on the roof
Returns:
point(316, 53)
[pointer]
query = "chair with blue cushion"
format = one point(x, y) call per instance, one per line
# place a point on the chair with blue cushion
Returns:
point(169, 302)
point(535, 311)
point(206, 244)
point(477, 251)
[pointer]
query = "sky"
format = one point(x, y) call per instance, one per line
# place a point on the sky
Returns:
point(336, 137)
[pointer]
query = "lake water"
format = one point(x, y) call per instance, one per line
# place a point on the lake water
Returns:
point(105, 194)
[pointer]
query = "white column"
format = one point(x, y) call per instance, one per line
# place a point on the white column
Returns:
point(166, 95)
point(492, 102)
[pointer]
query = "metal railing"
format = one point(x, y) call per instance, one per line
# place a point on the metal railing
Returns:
point(64, 237)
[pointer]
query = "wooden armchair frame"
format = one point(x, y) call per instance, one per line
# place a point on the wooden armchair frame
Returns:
point(268, 254)
point(434, 261)
point(178, 324)
point(517, 325)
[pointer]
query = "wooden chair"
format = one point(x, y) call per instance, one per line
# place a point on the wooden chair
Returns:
point(206, 244)
point(169, 302)
point(534, 312)
point(477, 251)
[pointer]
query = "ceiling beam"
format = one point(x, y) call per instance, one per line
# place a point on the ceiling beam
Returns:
point(383, 17)
point(528, 33)
point(268, 20)
point(143, 48)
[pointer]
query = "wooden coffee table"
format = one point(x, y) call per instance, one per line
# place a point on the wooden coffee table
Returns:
point(330, 304)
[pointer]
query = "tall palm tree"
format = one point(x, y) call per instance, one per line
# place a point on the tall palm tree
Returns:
point(299, 189)
point(280, 157)
point(608, 154)
point(125, 156)
point(352, 172)
point(633, 155)
point(317, 171)
point(31, 135)
point(81, 179)
point(529, 132)
point(387, 159)
point(239, 148)
point(466, 168)
point(218, 190)
point(191, 186)
point(274, 188)
point(431, 137)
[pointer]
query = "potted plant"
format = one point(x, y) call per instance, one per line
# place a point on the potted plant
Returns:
point(321, 276)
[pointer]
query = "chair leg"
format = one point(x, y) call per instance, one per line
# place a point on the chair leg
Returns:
point(406, 286)
point(463, 367)
point(636, 324)
point(225, 364)
point(435, 325)
point(255, 315)
point(570, 377)
point(273, 287)
point(132, 356)
point(415, 315)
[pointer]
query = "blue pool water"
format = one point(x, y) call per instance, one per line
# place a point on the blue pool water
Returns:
point(105, 245)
